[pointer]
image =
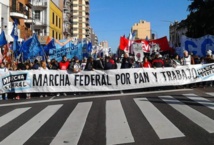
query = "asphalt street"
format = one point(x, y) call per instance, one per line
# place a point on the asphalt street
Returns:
point(152, 117)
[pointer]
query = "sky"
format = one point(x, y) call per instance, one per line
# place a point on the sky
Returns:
point(111, 19)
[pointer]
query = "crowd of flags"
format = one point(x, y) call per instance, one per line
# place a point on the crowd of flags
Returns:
point(31, 48)
point(126, 43)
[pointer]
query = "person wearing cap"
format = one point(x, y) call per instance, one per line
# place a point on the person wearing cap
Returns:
point(158, 61)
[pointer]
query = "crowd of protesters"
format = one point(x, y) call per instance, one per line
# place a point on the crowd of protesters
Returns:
point(156, 60)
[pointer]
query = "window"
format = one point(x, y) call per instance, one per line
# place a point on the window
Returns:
point(53, 33)
point(57, 21)
point(37, 15)
point(21, 8)
point(52, 18)
point(56, 35)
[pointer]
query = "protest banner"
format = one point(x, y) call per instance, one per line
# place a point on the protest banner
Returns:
point(111, 80)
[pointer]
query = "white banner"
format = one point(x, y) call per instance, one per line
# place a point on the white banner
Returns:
point(112, 80)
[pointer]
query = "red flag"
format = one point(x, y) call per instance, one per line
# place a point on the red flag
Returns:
point(163, 43)
point(123, 43)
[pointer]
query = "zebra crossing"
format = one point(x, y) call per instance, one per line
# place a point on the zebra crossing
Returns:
point(118, 129)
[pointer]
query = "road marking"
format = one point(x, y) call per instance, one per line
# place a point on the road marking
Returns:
point(211, 94)
point(162, 126)
point(12, 115)
point(200, 100)
point(91, 97)
point(23, 133)
point(195, 116)
point(52, 98)
point(117, 128)
point(73, 126)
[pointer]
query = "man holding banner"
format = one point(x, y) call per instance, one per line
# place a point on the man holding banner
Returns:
point(63, 65)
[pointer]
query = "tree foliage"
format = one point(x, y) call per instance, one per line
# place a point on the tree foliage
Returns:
point(200, 21)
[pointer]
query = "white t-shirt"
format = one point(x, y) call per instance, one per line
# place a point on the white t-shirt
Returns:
point(187, 60)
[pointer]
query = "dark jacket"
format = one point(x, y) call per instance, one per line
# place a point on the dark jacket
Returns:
point(126, 63)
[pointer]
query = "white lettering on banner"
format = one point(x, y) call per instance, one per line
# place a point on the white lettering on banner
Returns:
point(111, 80)
point(145, 47)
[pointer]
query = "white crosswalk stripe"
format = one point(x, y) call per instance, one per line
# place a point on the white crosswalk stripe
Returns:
point(22, 134)
point(72, 128)
point(118, 130)
point(195, 116)
point(162, 126)
point(117, 127)
point(12, 115)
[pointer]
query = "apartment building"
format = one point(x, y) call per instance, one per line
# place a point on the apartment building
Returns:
point(143, 30)
point(20, 10)
point(4, 17)
point(47, 19)
point(104, 44)
point(175, 33)
point(55, 21)
point(76, 18)
point(93, 37)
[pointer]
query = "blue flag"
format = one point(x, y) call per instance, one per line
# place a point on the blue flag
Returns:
point(35, 48)
point(32, 48)
point(14, 32)
point(16, 45)
point(3, 40)
point(89, 47)
point(49, 46)
point(69, 50)
point(25, 48)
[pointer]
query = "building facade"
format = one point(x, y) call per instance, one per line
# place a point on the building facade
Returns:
point(175, 33)
point(21, 11)
point(55, 21)
point(142, 29)
point(104, 44)
point(93, 37)
point(76, 18)
point(47, 19)
point(4, 17)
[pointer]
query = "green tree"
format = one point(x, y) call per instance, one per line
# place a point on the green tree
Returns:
point(200, 21)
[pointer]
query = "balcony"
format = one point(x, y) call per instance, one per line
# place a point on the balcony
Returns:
point(29, 21)
point(17, 12)
point(39, 24)
point(39, 5)
point(68, 2)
